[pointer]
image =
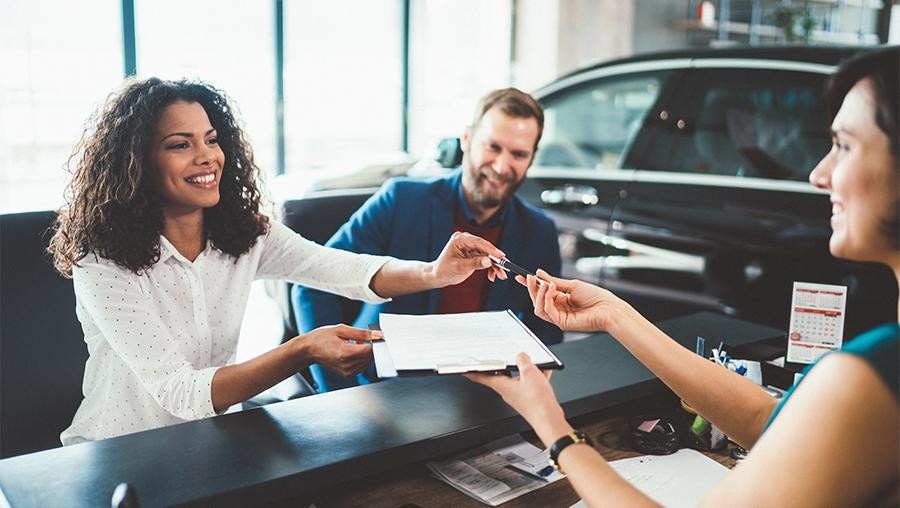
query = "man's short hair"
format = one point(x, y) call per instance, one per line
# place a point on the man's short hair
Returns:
point(512, 102)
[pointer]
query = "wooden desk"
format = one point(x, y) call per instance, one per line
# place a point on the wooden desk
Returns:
point(291, 449)
point(413, 485)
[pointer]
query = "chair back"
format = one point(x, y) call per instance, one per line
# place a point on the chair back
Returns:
point(317, 217)
point(42, 349)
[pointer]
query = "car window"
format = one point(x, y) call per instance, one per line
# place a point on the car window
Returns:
point(747, 123)
point(589, 126)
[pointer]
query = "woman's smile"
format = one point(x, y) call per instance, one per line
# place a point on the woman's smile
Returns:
point(188, 160)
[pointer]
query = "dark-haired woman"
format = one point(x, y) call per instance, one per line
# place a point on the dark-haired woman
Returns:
point(163, 236)
point(834, 440)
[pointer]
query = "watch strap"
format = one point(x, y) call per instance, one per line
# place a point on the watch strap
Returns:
point(574, 437)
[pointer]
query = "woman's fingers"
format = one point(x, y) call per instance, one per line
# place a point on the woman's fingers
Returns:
point(550, 308)
point(482, 379)
point(533, 287)
point(502, 384)
point(525, 365)
point(540, 299)
point(537, 300)
point(564, 285)
point(347, 332)
point(344, 349)
point(349, 363)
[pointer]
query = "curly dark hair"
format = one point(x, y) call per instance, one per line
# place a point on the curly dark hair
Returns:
point(113, 209)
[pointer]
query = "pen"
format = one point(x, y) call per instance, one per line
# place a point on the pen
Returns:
point(535, 475)
point(509, 266)
point(546, 471)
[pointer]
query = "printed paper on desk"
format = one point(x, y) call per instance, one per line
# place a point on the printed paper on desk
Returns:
point(817, 321)
point(498, 471)
point(678, 480)
point(466, 342)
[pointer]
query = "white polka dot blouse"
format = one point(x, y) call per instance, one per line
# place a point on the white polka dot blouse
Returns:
point(156, 339)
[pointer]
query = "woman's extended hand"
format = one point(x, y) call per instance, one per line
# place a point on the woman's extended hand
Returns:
point(531, 395)
point(572, 305)
point(330, 346)
point(462, 256)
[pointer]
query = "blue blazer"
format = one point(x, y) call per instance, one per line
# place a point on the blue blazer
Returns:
point(413, 219)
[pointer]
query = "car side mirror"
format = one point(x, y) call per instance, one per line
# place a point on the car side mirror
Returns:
point(449, 153)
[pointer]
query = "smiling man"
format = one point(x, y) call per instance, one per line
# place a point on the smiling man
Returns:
point(411, 219)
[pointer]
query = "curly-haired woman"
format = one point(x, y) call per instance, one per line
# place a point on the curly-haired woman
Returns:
point(834, 439)
point(163, 235)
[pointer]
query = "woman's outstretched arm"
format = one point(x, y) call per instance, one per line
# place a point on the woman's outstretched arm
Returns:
point(326, 345)
point(733, 403)
point(463, 255)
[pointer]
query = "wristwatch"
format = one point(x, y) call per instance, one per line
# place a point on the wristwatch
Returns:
point(574, 437)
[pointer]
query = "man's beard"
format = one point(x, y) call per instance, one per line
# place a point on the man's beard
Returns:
point(481, 192)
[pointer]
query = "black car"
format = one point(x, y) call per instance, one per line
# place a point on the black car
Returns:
point(679, 181)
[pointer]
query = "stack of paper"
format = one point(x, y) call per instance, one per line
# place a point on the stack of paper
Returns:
point(498, 471)
point(454, 343)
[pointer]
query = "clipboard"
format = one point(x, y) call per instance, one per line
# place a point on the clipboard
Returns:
point(456, 343)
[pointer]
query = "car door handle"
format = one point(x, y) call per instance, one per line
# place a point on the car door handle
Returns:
point(570, 195)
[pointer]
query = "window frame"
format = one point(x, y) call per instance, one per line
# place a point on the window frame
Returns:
point(670, 77)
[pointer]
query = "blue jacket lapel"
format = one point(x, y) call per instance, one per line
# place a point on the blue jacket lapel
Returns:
point(441, 226)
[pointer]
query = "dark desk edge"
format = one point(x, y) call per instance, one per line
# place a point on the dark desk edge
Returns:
point(284, 451)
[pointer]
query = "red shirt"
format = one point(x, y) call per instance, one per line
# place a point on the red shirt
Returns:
point(471, 294)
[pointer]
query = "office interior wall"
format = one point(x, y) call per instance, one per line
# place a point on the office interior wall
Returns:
point(652, 29)
point(593, 30)
point(554, 37)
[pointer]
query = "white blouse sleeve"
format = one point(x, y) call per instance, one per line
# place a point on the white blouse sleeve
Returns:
point(287, 255)
point(125, 317)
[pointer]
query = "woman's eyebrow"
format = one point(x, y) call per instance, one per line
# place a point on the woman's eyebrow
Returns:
point(186, 134)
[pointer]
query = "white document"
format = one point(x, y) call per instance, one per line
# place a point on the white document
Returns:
point(680, 479)
point(498, 471)
point(452, 343)
point(384, 365)
point(817, 321)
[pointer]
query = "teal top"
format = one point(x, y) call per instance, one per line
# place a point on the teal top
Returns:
point(879, 347)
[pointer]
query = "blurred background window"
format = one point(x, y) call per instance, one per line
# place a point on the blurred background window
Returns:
point(763, 124)
point(227, 43)
point(590, 126)
point(363, 85)
point(459, 50)
point(53, 74)
point(343, 82)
